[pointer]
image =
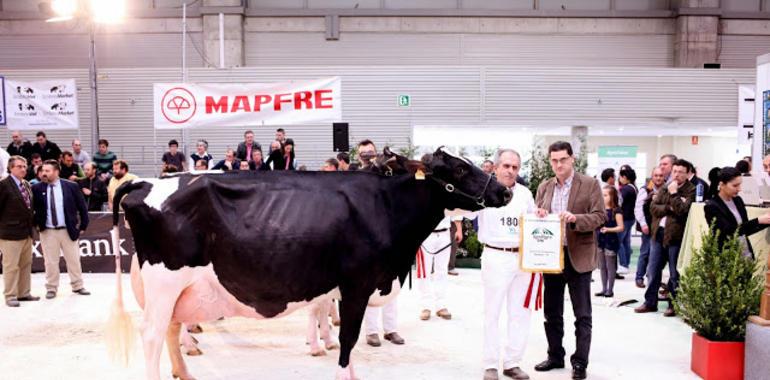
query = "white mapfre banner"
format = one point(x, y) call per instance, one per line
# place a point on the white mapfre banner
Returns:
point(40, 105)
point(192, 105)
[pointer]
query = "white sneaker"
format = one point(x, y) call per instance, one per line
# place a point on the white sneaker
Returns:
point(622, 270)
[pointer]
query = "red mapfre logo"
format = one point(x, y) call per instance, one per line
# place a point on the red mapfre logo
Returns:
point(178, 105)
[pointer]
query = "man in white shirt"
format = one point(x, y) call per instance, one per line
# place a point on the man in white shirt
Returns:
point(81, 156)
point(433, 270)
point(644, 218)
point(503, 280)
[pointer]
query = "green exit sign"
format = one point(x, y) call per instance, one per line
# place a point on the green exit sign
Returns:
point(404, 100)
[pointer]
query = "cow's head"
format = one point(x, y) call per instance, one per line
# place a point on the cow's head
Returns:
point(389, 164)
point(466, 186)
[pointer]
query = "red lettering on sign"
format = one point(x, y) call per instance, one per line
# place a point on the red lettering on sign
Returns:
point(281, 98)
point(220, 106)
point(320, 99)
point(241, 103)
point(303, 97)
point(259, 100)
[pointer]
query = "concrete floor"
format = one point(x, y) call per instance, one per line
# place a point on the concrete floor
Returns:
point(62, 339)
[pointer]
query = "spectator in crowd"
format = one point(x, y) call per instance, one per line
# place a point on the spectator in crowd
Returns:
point(577, 199)
point(257, 163)
point(699, 181)
point(344, 161)
point(331, 165)
point(280, 135)
point(104, 160)
point(94, 190)
point(201, 165)
point(60, 215)
point(20, 146)
point(748, 159)
point(765, 166)
point(35, 163)
point(488, 167)
point(744, 167)
point(120, 175)
point(275, 159)
point(173, 156)
point(389, 311)
point(229, 163)
point(48, 150)
point(644, 220)
point(16, 233)
point(244, 165)
point(669, 210)
point(38, 175)
point(728, 212)
point(608, 176)
point(69, 169)
point(201, 154)
point(609, 241)
point(80, 155)
point(288, 155)
point(245, 147)
point(366, 153)
point(713, 189)
point(666, 164)
point(4, 158)
point(628, 193)
point(168, 169)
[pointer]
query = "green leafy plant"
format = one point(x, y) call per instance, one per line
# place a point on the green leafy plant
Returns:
point(471, 245)
point(719, 290)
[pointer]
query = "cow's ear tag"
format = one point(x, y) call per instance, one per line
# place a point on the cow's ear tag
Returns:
point(419, 175)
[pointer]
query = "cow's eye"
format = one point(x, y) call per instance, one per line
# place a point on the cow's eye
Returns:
point(460, 172)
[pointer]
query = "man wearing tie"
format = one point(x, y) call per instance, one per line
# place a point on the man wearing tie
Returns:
point(16, 233)
point(578, 201)
point(58, 203)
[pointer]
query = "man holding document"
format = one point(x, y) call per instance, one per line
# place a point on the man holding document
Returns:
point(577, 201)
point(503, 280)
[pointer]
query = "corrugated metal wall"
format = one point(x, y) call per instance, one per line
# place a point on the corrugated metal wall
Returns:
point(70, 51)
point(448, 95)
point(266, 49)
point(742, 51)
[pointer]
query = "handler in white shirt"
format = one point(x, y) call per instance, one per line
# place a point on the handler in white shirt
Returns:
point(433, 270)
point(502, 279)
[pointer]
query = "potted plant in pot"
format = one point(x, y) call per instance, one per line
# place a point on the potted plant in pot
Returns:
point(718, 291)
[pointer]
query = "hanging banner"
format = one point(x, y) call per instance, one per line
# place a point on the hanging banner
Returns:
point(185, 105)
point(616, 156)
point(41, 105)
point(2, 100)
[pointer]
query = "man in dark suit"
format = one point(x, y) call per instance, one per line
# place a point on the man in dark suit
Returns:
point(94, 190)
point(47, 150)
point(695, 180)
point(246, 147)
point(60, 216)
point(16, 233)
point(578, 201)
point(669, 210)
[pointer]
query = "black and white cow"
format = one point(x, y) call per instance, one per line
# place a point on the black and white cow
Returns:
point(264, 244)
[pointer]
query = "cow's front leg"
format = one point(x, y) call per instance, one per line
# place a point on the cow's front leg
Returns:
point(158, 310)
point(352, 310)
point(325, 307)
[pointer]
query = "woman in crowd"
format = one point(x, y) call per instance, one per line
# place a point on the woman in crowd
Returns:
point(728, 212)
point(609, 241)
point(201, 153)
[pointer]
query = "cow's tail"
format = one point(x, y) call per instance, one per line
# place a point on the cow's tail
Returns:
point(120, 331)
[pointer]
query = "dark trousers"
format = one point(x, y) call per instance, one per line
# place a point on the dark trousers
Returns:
point(579, 285)
point(644, 257)
point(659, 257)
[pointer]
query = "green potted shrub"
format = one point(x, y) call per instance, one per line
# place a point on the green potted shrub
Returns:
point(469, 251)
point(718, 292)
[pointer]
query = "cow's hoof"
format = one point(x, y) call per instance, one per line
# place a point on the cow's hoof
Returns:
point(345, 374)
point(195, 352)
point(195, 341)
point(332, 346)
point(336, 322)
point(195, 329)
point(184, 376)
point(317, 353)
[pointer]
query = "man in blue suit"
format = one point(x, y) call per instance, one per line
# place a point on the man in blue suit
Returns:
point(60, 215)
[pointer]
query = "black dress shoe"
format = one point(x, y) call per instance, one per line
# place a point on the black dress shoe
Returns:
point(82, 292)
point(549, 364)
point(578, 372)
point(29, 298)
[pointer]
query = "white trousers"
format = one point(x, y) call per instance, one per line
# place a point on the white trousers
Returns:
point(505, 284)
point(432, 288)
point(389, 313)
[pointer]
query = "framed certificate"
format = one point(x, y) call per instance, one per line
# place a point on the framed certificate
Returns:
point(541, 248)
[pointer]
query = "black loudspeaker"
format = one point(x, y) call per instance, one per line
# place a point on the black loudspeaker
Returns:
point(340, 137)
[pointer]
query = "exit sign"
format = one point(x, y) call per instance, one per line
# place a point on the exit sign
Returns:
point(404, 100)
